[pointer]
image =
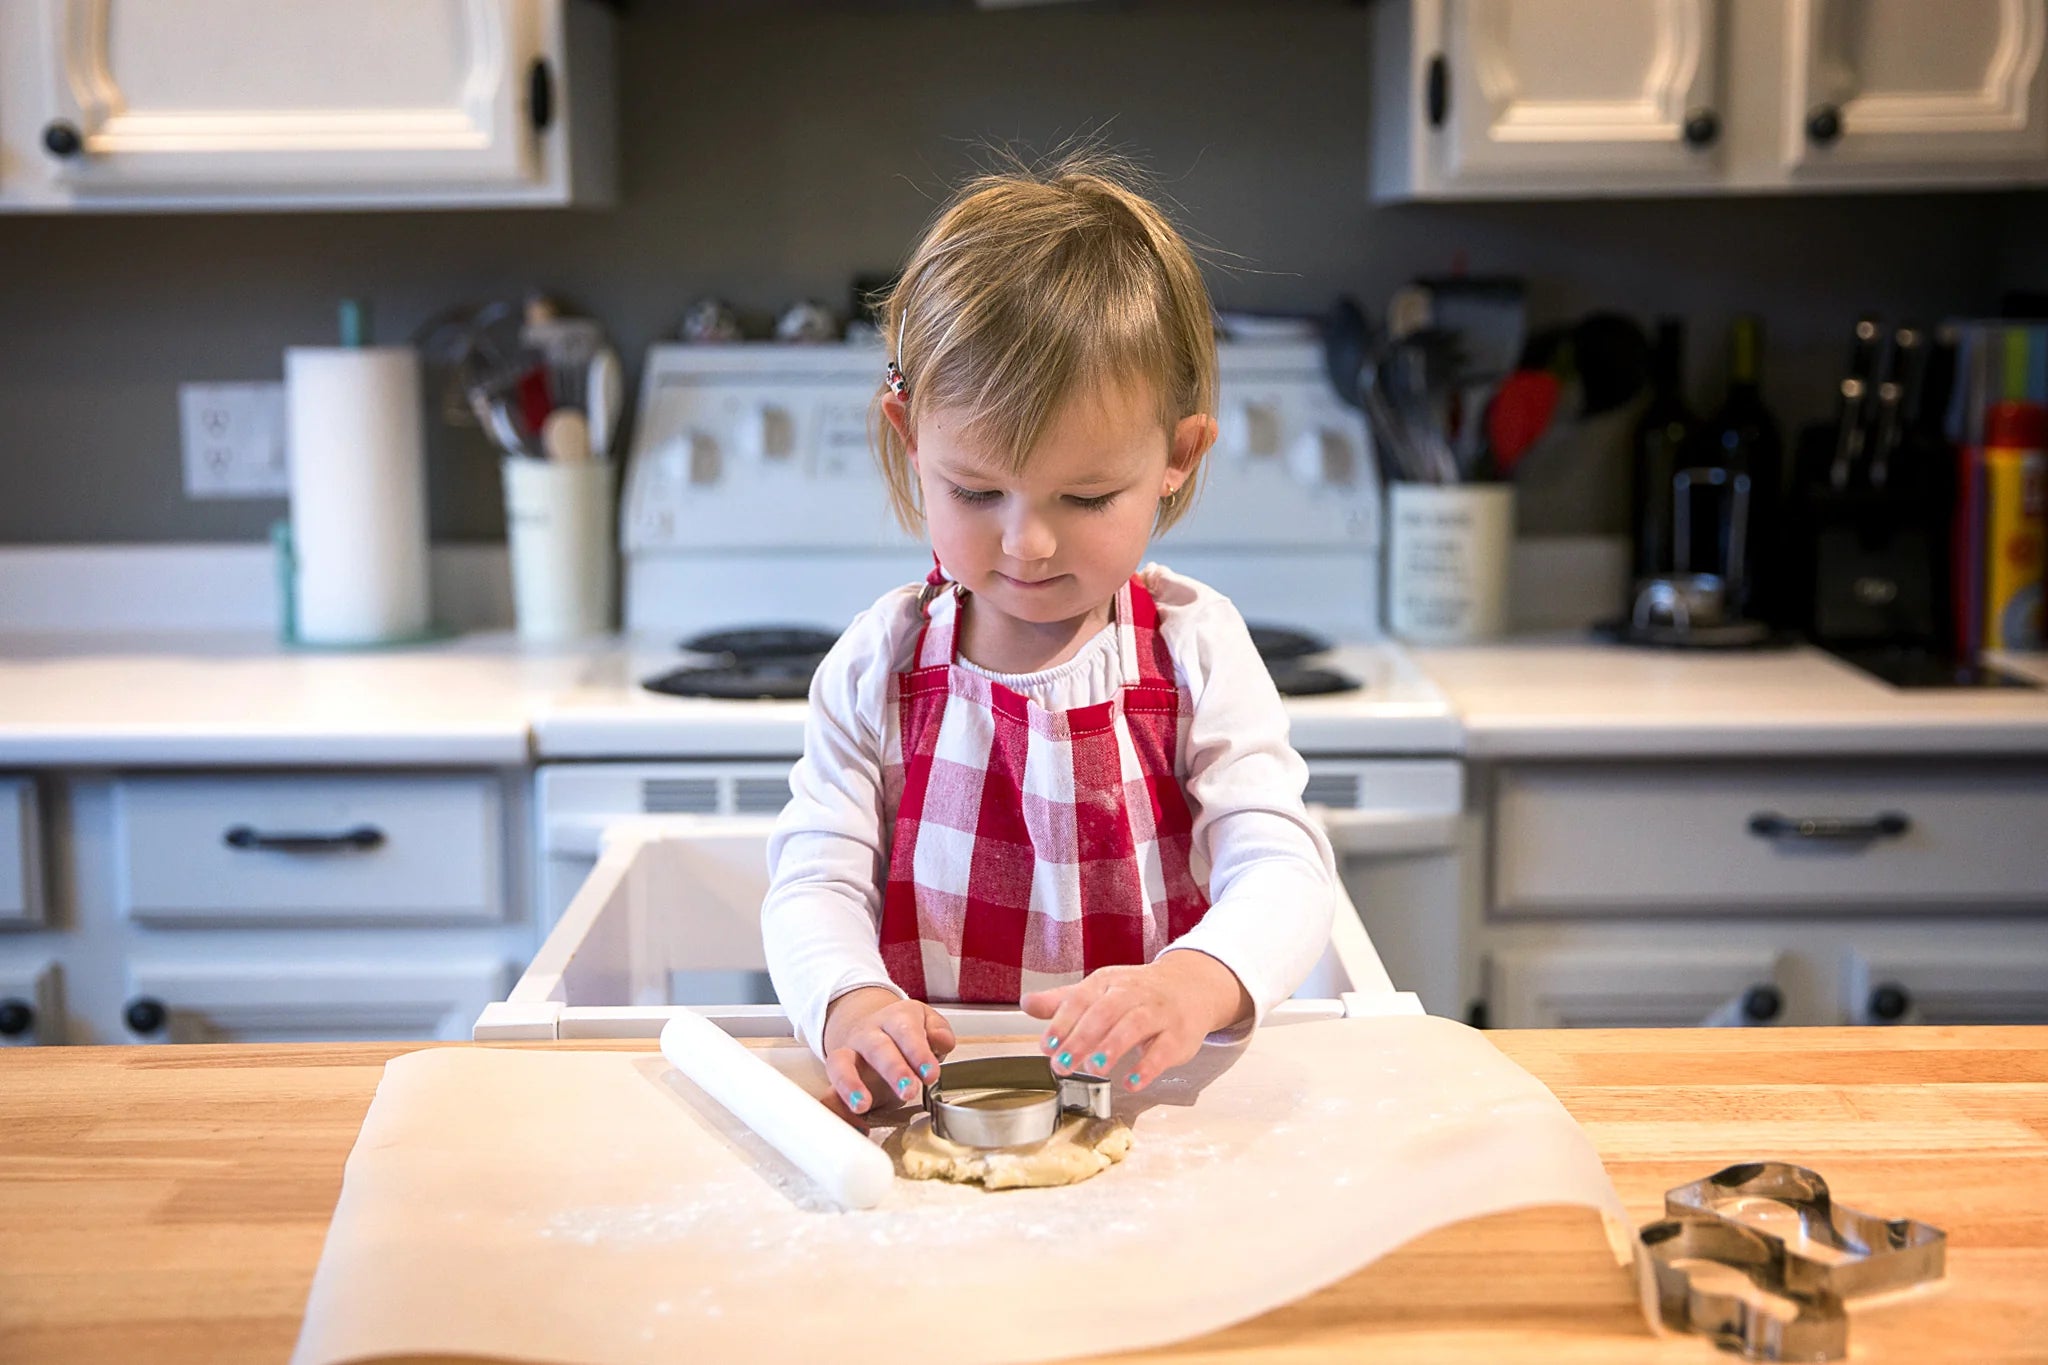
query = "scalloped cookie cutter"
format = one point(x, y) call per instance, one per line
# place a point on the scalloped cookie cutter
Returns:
point(1856, 1254)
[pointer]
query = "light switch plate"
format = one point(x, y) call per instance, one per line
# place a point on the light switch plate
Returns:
point(234, 440)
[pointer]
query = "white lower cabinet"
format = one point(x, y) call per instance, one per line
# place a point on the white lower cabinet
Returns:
point(1938, 985)
point(280, 906)
point(1632, 987)
point(31, 1004)
point(1758, 893)
point(289, 1001)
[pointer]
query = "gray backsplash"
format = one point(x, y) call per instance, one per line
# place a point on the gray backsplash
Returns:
point(772, 152)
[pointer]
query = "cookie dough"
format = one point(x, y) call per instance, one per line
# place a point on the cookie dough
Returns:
point(1079, 1148)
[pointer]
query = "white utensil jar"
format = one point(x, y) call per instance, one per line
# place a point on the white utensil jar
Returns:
point(558, 526)
point(1447, 561)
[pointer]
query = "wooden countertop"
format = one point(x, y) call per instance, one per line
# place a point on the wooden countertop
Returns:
point(168, 1204)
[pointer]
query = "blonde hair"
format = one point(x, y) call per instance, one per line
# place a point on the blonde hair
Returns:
point(1033, 287)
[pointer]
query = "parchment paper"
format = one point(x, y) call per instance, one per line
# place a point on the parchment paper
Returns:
point(594, 1207)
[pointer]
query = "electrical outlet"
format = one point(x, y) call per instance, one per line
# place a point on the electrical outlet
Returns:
point(234, 440)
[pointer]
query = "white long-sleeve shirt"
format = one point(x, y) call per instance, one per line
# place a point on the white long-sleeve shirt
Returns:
point(1267, 866)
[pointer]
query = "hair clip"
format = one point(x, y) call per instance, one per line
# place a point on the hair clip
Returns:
point(894, 378)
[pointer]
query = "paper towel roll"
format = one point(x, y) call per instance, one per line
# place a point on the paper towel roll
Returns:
point(359, 502)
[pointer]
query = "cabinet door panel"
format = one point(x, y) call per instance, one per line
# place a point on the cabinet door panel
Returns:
point(273, 1001)
point(1874, 83)
point(31, 1004)
point(181, 95)
point(21, 862)
point(1602, 87)
point(1933, 985)
point(1633, 987)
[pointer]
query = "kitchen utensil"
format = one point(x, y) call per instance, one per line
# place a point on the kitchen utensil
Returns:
point(1827, 1253)
point(849, 1168)
point(1611, 355)
point(1009, 1101)
point(565, 436)
point(606, 385)
point(1851, 435)
point(1520, 413)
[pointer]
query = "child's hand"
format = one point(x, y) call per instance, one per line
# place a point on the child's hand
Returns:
point(877, 1043)
point(1164, 1008)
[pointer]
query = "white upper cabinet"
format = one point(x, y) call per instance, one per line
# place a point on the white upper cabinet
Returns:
point(1904, 83)
point(1588, 87)
point(224, 103)
point(1580, 98)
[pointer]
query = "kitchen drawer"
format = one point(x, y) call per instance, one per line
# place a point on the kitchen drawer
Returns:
point(1602, 838)
point(301, 850)
point(1934, 984)
point(21, 862)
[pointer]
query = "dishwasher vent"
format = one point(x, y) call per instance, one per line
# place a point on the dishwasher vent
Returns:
point(679, 796)
point(1337, 790)
point(759, 795)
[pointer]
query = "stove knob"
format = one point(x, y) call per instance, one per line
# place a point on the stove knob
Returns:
point(765, 433)
point(1248, 428)
point(1321, 457)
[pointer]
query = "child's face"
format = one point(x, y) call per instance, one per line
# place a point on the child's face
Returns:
point(1053, 542)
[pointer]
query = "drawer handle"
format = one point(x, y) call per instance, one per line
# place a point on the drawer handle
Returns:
point(362, 837)
point(1761, 1004)
point(1828, 828)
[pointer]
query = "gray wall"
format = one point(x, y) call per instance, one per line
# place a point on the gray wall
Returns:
point(773, 153)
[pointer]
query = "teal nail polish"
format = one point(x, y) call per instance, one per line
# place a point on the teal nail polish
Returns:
point(1132, 1078)
point(1066, 1059)
point(903, 1086)
point(1099, 1061)
point(854, 1098)
point(925, 1072)
point(1052, 1041)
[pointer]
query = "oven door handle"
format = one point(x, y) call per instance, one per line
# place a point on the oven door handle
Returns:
point(1368, 832)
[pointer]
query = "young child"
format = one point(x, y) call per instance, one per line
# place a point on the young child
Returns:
point(1043, 777)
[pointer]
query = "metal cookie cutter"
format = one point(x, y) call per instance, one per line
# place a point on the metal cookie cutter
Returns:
point(1840, 1253)
point(1009, 1101)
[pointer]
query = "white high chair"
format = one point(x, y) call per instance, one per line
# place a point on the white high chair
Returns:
point(675, 899)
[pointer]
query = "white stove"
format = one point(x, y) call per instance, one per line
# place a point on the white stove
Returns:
point(752, 500)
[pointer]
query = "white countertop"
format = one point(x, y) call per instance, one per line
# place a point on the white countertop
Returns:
point(487, 700)
point(219, 700)
point(1576, 699)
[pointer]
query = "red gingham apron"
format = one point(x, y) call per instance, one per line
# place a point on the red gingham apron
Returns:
point(1031, 847)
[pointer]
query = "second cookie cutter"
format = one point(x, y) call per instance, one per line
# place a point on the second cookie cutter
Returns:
point(1853, 1254)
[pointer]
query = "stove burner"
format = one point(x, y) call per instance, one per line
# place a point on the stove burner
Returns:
point(767, 680)
point(1278, 643)
point(764, 642)
point(1301, 680)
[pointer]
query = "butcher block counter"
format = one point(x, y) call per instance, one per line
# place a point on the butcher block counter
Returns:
point(168, 1204)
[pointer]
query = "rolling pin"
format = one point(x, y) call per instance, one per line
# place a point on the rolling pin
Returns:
point(854, 1172)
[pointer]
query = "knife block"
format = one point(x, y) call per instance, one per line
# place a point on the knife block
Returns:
point(1869, 566)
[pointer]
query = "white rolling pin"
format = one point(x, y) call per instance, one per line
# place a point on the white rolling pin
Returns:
point(849, 1168)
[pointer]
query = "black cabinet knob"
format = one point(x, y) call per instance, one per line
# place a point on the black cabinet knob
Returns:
point(62, 139)
point(146, 1015)
point(1761, 1004)
point(1824, 124)
point(1702, 128)
point(540, 95)
point(1889, 1002)
point(16, 1018)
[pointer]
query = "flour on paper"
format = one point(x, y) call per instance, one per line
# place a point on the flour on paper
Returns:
point(1081, 1147)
